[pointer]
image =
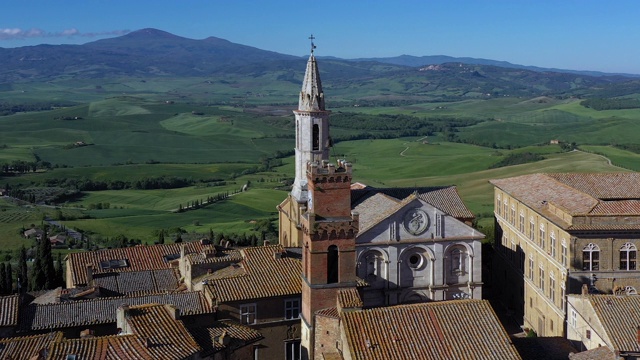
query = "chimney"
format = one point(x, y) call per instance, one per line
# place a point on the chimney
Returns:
point(277, 255)
point(121, 318)
point(585, 289)
point(266, 243)
point(174, 312)
point(89, 274)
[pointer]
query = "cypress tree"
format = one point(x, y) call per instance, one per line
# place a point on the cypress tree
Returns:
point(9, 279)
point(161, 237)
point(59, 272)
point(3, 275)
point(23, 275)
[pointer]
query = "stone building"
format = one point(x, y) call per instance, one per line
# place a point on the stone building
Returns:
point(387, 246)
point(558, 232)
point(605, 326)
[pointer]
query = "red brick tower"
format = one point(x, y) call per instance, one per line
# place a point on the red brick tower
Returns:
point(329, 229)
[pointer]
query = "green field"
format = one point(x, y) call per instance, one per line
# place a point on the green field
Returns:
point(152, 132)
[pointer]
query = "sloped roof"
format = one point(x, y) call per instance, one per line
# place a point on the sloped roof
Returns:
point(620, 318)
point(138, 258)
point(445, 198)
point(9, 306)
point(167, 337)
point(240, 335)
point(103, 310)
point(151, 281)
point(459, 329)
point(115, 347)
point(578, 194)
point(603, 186)
point(599, 353)
point(265, 275)
point(26, 347)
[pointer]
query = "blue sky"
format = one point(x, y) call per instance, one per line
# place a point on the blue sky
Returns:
point(571, 34)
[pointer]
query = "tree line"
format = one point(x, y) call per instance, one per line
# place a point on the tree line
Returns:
point(610, 104)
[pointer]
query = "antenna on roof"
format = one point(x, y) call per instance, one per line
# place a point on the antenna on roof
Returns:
point(313, 46)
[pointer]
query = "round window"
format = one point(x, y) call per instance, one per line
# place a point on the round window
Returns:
point(415, 260)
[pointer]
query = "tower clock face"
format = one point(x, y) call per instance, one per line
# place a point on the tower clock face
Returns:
point(416, 221)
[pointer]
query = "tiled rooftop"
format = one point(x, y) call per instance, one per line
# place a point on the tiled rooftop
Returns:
point(138, 258)
point(265, 275)
point(460, 329)
point(209, 337)
point(116, 347)
point(166, 337)
point(620, 318)
point(603, 186)
point(26, 347)
point(9, 306)
point(151, 281)
point(349, 298)
point(580, 195)
point(445, 198)
point(103, 310)
point(599, 353)
point(154, 334)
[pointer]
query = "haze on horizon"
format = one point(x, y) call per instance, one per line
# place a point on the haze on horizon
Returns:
point(577, 35)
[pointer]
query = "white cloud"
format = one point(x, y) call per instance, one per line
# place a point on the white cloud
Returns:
point(19, 34)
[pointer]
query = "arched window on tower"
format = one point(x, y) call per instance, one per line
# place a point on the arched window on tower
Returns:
point(332, 264)
point(316, 137)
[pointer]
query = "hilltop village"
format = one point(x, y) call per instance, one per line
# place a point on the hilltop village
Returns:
point(362, 273)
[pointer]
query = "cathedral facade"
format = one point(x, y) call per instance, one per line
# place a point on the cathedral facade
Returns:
point(390, 246)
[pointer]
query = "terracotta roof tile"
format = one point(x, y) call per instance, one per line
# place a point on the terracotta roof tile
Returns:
point(151, 281)
point(583, 195)
point(116, 347)
point(167, 337)
point(623, 185)
point(103, 310)
point(26, 347)
point(599, 353)
point(329, 312)
point(349, 298)
point(208, 337)
point(460, 329)
point(619, 317)
point(445, 198)
point(138, 258)
point(269, 271)
point(9, 306)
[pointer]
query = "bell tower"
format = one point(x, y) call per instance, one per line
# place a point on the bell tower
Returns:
point(312, 145)
point(329, 229)
point(312, 128)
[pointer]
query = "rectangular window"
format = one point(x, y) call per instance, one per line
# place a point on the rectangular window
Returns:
point(532, 230)
point(552, 288)
point(513, 215)
point(541, 279)
point(562, 296)
point(553, 245)
point(542, 236)
point(588, 334)
point(498, 205)
point(506, 208)
point(574, 318)
point(522, 223)
point(248, 314)
point(564, 253)
point(292, 350)
point(531, 269)
point(292, 309)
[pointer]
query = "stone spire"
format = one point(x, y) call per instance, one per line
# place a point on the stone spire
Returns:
point(311, 96)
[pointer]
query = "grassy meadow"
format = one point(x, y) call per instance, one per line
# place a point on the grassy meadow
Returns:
point(136, 129)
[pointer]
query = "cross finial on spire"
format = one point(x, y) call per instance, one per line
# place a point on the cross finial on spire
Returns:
point(313, 46)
